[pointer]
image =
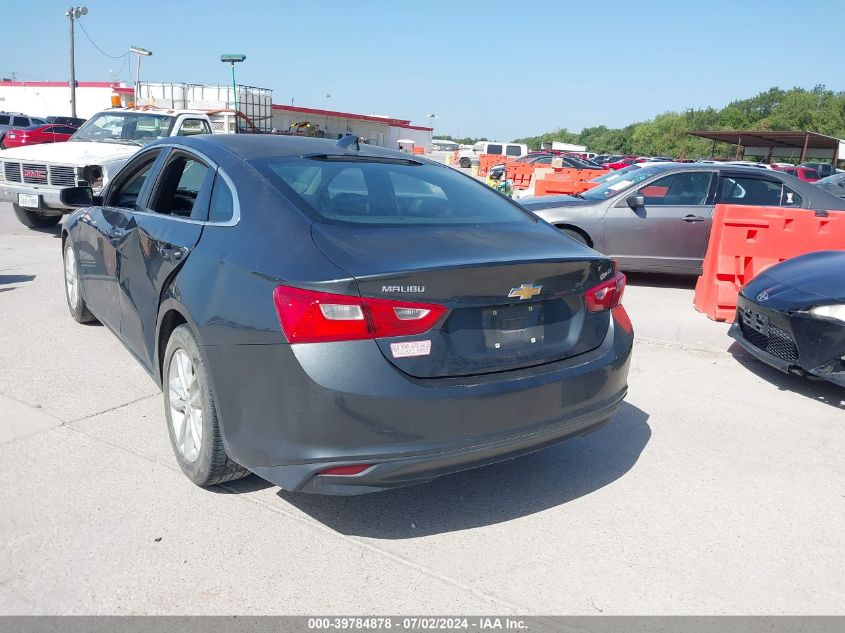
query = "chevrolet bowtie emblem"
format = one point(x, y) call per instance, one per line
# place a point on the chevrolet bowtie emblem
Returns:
point(525, 291)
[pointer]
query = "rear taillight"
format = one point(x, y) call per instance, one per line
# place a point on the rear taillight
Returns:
point(606, 295)
point(308, 316)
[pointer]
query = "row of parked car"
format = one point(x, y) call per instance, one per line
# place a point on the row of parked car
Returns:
point(833, 180)
point(18, 129)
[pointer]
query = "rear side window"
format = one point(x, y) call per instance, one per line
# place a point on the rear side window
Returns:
point(494, 149)
point(513, 150)
point(222, 207)
point(386, 192)
point(4, 119)
point(190, 127)
point(759, 192)
point(20, 121)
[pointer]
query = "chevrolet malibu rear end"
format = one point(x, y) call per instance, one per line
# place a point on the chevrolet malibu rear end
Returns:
point(460, 332)
point(374, 320)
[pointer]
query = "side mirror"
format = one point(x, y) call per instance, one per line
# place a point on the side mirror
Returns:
point(79, 197)
point(635, 201)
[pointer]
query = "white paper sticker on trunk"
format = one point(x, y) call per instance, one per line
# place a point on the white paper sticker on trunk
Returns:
point(410, 348)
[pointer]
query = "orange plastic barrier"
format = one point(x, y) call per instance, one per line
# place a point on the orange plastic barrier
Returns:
point(486, 161)
point(419, 150)
point(520, 174)
point(745, 241)
point(567, 181)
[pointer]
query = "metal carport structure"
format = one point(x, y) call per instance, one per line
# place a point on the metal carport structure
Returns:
point(781, 144)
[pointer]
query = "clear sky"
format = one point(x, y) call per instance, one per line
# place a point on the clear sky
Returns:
point(486, 68)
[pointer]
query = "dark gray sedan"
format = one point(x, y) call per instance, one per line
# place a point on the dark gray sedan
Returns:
point(658, 218)
point(341, 318)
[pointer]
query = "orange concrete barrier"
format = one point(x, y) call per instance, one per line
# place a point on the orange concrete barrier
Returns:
point(745, 240)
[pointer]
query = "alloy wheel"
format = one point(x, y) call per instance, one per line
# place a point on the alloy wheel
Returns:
point(186, 413)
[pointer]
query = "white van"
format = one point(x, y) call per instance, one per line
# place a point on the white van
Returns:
point(514, 150)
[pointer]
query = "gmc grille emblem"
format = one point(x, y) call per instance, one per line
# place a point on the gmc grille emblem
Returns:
point(34, 173)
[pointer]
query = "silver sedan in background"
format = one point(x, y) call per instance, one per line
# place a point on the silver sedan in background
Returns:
point(658, 218)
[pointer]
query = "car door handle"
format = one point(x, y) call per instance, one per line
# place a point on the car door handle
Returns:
point(692, 218)
point(172, 253)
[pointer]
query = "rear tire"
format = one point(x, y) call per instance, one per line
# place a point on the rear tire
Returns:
point(73, 288)
point(191, 414)
point(575, 235)
point(466, 163)
point(34, 219)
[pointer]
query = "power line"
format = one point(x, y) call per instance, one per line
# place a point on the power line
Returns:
point(79, 22)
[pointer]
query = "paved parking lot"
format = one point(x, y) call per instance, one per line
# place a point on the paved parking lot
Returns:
point(719, 488)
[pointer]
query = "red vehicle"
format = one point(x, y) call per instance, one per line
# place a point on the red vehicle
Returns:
point(37, 134)
point(802, 173)
point(621, 164)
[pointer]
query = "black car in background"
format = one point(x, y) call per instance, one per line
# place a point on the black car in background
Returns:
point(497, 172)
point(792, 316)
point(66, 120)
point(342, 318)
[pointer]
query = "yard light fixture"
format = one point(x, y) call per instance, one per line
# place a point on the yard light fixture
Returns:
point(140, 52)
point(73, 13)
point(232, 59)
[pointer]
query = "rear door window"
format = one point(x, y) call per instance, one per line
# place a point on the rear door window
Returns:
point(758, 192)
point(20, 121)
point(494, 149)
point(387, 192)
point(513, 150)
point(184, 188)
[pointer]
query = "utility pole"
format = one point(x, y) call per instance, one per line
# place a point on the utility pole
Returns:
point(74, 13)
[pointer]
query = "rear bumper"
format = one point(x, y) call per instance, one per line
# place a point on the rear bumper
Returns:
point(289, 412)
point(49, 197)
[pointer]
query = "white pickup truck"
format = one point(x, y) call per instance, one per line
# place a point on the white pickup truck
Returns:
point(31, 178)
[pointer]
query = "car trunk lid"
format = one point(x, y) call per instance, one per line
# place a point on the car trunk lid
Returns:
point(515, 292)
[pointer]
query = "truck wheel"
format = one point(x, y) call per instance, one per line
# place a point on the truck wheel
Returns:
point(465, 162)
point(191, 415)
point(73, 289)
point(34, 219)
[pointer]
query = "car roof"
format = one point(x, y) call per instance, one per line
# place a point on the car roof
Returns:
point(255, 146)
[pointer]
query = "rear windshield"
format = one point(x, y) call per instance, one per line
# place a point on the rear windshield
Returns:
point(367, 191)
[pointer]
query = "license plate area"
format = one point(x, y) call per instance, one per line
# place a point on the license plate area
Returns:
point(29, 200)
point(512, 327)
point(756, 321)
